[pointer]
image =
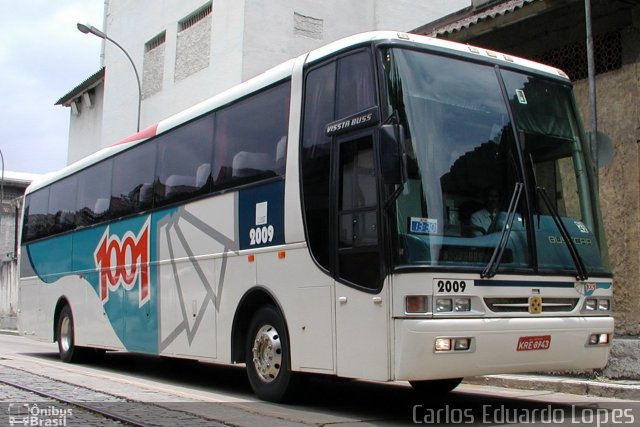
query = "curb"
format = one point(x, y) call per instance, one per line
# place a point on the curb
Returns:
point(9, 332)
point(616, 390)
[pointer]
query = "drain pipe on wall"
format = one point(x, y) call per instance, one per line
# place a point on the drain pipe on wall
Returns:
point(591, 68)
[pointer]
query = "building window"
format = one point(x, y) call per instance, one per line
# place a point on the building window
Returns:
point(195, 17)
point(193, 44)
point(153, 65)
point(307, 26)
point(155, 42)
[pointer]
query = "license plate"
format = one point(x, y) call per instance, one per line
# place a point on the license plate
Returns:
point(534, 343)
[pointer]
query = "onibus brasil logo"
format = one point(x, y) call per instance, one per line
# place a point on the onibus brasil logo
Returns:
point(123, 261)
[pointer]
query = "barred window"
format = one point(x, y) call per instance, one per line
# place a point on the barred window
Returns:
point(195, 17)
point(155, 42)
point(572, 58)
point(153, 65)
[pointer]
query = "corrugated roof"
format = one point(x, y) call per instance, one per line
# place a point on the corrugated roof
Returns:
point(479, 16)
point(89, 83)
point(20, 177)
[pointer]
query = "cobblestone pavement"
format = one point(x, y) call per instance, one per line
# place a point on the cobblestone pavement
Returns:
point(20, 407)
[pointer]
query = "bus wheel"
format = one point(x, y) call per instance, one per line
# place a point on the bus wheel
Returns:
point(267, 356)
point(435, 387)
point(69, 353)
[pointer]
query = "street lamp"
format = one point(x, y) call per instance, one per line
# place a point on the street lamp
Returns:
point(90, 29)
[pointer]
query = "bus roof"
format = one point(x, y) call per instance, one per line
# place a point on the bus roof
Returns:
point(445, 45)
point(279, 73)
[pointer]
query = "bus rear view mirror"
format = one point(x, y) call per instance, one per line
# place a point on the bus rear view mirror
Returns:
point(604, 152)
point(393, 156)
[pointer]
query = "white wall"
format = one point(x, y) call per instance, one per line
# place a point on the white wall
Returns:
point(133, 23)
point(85, 128)
point(247, 37)
point(270, 37)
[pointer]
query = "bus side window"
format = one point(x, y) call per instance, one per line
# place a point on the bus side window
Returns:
point(62, 204)
point(315, 158)
point(184, 161)
point(358, 252)
point(247, 135)
point(357, 194)
point(133, 176)
point(36, 224)
point(356, 91)
point(94, 194)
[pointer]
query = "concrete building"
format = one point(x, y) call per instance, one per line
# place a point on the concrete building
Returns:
point(189, 50)
point(13, 187)
point(553, 32)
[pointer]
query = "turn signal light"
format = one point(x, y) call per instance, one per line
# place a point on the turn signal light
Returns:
point(416, 304)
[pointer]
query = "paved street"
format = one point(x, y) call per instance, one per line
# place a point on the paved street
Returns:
point(171, 392)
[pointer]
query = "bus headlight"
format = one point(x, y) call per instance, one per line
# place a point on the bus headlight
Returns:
point(599, 339)
point(444, 305)
point(452, 344)
point(443, 344)
point(603, 305)
point(597, 305)
point(461, 344)
point(451, 305)
point(462, 304)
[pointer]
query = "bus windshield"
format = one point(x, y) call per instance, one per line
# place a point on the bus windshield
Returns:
point(467, 161)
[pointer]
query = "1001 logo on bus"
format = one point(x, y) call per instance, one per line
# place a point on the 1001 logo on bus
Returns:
point(124, 261)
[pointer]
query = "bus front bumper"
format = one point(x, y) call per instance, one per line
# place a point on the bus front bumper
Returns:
point(498, 346)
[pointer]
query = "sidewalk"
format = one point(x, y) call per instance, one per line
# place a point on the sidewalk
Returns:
point(601, 387)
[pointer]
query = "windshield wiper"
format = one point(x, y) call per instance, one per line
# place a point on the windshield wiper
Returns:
point(580, 267)
point(491, 268)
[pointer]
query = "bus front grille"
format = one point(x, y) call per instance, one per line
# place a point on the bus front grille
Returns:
point(521, 305)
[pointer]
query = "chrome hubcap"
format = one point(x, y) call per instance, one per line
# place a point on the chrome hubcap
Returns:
point(65, 334)
point(267, 353)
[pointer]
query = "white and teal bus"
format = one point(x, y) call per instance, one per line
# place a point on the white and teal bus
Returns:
point(388, 207)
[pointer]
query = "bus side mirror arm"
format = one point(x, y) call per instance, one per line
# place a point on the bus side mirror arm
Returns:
point(393, 154)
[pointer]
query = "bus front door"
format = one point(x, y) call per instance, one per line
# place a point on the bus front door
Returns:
point(362, 302)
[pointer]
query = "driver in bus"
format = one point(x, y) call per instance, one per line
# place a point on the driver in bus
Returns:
point(485, 217)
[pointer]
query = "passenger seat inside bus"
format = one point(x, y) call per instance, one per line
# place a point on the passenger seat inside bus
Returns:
point(178, 184)
point(101, 206)
point(281, 154)
point(246, 164)
point(202, 175)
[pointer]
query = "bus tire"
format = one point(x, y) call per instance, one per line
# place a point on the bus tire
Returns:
point(67, 349)
point(267, 356)
point(435, 387)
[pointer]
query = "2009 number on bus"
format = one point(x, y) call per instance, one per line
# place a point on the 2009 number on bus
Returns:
point(260, 235)
point(451, 285)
